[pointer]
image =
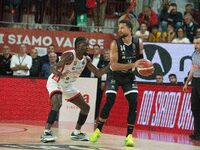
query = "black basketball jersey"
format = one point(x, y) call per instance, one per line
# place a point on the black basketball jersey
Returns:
point(126, 54)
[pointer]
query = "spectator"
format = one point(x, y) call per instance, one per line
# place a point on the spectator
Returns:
point(5, 59)
point(21, 63)
point(155, 35)
point(99, 12)
point(45, 58)
point(181, 38)
point(149, 17)
point(168, 36)
point(95, 60)
point(159, 78)
point(45, 72)
point(163, 16)
point(173, 16)
point(195, 14)
point(198, 31)
point(36, 64)
point(172, 79)
point(143, 33)
point(131, 15)
point(189, 26)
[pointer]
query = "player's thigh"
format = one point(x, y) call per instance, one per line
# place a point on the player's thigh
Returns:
point(130, 87)
point(70, 92)
point(111, 86)
point(53, 87)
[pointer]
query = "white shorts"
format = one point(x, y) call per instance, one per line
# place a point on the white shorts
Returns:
point(69, 92)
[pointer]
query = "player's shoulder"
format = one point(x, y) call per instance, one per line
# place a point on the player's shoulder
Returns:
point(69, 53)
point(68, 56)
point(114, 42)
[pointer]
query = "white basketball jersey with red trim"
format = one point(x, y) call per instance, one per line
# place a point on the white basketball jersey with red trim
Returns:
point(72, 71)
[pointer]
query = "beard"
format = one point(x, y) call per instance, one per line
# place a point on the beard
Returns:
point(123, 35)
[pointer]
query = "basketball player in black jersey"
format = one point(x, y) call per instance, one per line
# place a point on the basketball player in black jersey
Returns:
point(126, 54)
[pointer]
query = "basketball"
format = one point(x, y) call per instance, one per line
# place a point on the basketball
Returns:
point(147, 68)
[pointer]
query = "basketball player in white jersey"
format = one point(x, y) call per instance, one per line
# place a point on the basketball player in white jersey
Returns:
point(59, 83)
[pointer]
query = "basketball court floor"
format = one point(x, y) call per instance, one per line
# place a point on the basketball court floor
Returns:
point(26, 135)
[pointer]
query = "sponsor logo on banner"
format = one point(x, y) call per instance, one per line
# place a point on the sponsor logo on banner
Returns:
point(160, 58)
point(168, 58)
point(165, 107)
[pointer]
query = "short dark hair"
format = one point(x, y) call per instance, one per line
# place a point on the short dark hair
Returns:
point(159, 74)
point(179, 29)
point(127, 22)
point(172, 75)
point(173, 4)
point(170, 24)
point(189, 5)
point(79, 40)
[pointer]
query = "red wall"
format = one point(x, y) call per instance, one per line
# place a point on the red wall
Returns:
point(23, 99)
point(160, 107)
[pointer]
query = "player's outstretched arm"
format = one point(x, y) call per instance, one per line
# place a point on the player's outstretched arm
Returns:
point(96, 71)
point(66, 59)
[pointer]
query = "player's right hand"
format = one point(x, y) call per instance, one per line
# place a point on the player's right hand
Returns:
point(139, 63)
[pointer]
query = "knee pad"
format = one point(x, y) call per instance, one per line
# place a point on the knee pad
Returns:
point(110, 100)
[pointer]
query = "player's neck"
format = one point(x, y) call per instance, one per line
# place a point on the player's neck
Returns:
point(79, 56)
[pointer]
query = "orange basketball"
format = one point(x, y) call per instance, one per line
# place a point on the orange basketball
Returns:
point(147, 68)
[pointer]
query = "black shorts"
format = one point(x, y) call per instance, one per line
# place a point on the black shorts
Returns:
point(127, 83)
point(195, 95)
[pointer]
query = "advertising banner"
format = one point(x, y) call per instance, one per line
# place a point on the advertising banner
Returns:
point(164, 108)
point(168, 58)
point(41, 39)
